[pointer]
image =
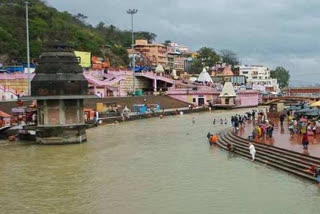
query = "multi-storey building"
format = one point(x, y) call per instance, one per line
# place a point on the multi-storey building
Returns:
point(259, 75)
point(176, 62)
point(156, 53)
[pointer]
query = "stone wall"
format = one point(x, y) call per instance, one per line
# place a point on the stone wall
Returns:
point(164, 101)
point(140, 83)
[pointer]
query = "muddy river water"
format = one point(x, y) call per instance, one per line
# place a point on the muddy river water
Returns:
point(147, 166)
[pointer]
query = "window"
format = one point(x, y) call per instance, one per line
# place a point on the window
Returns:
point(194, 100)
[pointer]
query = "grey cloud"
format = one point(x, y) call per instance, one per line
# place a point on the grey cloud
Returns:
point(275, 32)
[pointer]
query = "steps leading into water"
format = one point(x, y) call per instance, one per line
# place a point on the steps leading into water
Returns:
point(286, 160)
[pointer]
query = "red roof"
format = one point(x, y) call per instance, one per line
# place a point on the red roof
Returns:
point(3, 114)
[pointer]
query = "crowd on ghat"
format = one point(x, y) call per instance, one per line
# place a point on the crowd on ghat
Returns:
point(263, 129)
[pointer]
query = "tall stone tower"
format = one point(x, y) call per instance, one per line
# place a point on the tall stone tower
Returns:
point(59, 88)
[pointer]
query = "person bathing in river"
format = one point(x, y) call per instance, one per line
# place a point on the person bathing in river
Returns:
point(317, 175)
point(214, 121)
point(209, 135)
point(213, 140)
point(231, 147)
point(252, 150)
point(312, 170)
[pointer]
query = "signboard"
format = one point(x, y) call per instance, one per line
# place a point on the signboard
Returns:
point(85, 58)
point(18, 110)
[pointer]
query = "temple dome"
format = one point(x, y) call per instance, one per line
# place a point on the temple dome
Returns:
point(204, 76)
point(228, 90)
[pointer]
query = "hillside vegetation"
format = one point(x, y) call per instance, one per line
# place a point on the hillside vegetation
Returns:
point(48, 25)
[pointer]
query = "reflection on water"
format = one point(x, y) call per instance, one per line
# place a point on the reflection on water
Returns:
point(146, 166)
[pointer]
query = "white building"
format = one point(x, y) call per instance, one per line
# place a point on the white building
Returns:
point(259, 75)
point(7, 94)
point(177, 49)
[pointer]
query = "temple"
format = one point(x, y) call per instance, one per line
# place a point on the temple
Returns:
point(59, 88)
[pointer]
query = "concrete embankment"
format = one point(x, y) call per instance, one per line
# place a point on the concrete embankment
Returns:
point(164, 101)
point(168, 112)
point(283, 159)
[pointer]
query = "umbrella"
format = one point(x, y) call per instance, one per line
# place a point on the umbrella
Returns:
point(309, 112)
point(306, 110)
point(315, 104)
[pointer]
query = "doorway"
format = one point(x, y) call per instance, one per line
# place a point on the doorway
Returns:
point(200, 101)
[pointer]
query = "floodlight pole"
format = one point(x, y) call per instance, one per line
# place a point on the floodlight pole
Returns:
point(28, 48)
point(133, 64)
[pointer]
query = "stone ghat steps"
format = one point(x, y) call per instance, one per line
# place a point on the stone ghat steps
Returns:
point(272, 149)
point(277, 158)
point(288, 161)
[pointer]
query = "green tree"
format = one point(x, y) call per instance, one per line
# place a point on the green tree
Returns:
point(229, 57)
point(282, 75)
point(48, 25)
point(207, 57)
point(167, 42)
point(146, 35)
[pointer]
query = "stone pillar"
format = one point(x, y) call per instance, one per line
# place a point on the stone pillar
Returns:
point(155, 85)
point(78, 112)
point(62, 116)
point(45, 113)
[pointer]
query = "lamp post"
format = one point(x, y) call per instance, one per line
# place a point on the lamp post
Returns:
point(133, 64)
point(28, 48)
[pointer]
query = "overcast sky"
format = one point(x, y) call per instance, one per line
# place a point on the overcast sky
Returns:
point(272, 33)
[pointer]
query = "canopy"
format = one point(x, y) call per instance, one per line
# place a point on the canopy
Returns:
point(227, 90)
point(204, 76)
point(4, 115)
point(159, 69)
point(315, 104)
point(309, 112)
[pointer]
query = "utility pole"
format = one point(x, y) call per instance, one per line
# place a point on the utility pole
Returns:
point(133, 64)
point(28, 48)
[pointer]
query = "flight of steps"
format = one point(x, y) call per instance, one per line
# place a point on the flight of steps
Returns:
point(283, 159)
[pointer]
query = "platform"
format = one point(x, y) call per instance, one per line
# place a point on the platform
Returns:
point(281, 138)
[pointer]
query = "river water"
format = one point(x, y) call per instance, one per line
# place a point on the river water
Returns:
point(147, 166)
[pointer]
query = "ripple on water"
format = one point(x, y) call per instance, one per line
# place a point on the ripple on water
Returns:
point(147, 166)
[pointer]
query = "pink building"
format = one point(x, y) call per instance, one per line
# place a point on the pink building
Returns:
point(199, 95)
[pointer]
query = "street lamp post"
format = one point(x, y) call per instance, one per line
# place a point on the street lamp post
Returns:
point(28, 48)
point(133, 65)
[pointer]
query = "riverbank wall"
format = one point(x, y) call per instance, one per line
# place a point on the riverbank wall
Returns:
point(165, 102)
point(171, 112)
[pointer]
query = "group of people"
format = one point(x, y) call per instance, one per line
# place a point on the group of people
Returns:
point(301, 125)
point(222, 121)
point(238, 121)
point(263, 130)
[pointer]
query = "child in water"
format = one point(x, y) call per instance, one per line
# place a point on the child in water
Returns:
point(221, 121)
point(193, 120)
point(214, 121)
point(225, 121)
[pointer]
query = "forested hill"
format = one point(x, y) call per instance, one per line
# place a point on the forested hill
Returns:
point(47, 24)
